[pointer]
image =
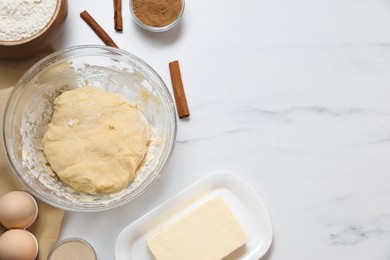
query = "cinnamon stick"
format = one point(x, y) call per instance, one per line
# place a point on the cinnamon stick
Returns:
point(98, 29)
point(118, 15)
point(178, 89)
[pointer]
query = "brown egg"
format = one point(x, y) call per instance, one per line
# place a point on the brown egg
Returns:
point(18, 244)
point(18, 209)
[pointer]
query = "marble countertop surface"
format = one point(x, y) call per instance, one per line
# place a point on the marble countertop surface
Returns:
point(294, 96)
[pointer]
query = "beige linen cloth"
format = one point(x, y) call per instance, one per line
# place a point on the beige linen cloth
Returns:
point(48, 223)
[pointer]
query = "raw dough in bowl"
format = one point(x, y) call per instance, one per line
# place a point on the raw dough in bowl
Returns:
point(96, 140)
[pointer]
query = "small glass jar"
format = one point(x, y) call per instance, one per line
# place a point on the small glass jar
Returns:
point(72, 248)
point(153, 28)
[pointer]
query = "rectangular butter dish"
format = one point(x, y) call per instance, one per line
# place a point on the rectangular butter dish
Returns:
point(241, 198)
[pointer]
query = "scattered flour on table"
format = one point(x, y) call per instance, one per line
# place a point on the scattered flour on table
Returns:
point(20, 19)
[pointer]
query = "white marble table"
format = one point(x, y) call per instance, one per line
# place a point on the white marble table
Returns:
point(292, 95)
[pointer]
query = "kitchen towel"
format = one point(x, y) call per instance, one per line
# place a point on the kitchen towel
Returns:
point(48, 223)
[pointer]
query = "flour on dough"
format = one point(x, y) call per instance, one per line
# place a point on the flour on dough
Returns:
point(96, 140)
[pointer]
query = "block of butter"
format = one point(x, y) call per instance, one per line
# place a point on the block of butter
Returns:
point(208, 232)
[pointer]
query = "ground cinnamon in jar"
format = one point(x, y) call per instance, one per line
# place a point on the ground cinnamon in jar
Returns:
point(157, 13)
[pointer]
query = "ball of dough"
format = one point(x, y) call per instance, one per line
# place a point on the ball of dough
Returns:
point(96, 140)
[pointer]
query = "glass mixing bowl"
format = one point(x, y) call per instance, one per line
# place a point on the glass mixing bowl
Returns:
point(31, 104)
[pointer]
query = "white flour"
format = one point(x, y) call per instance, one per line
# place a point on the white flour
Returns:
point(20, 19)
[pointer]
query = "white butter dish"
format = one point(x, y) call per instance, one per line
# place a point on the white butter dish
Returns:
point(241, 198)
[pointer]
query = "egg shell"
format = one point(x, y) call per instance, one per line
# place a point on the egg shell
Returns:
point(18, 244)
point(18, 209)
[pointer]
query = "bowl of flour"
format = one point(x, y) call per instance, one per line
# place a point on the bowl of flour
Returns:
point(29, 26)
